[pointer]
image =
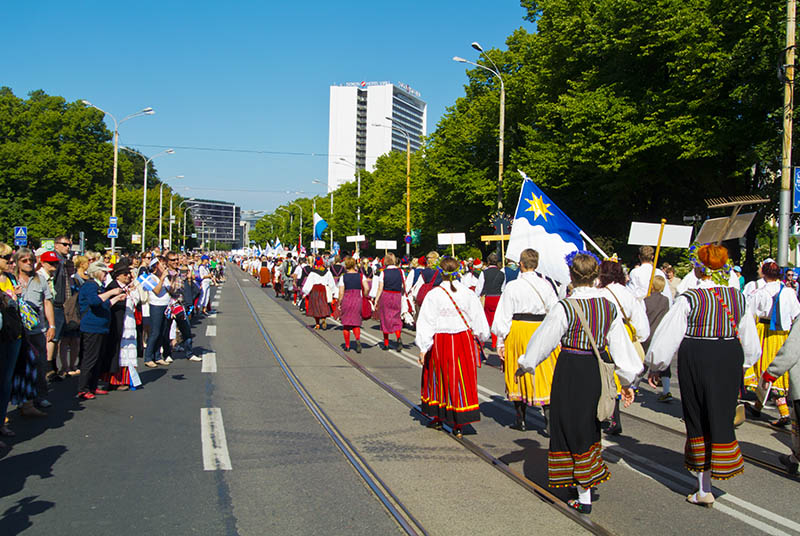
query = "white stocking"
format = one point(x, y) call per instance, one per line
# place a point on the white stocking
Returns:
point(584, 495)
point(703, 483)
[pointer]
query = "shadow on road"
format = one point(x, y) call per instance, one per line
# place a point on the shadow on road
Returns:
point(18, 518)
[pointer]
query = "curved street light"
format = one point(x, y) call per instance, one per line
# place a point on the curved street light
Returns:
point(144, 111)
point(144, 194)
point(495, 72)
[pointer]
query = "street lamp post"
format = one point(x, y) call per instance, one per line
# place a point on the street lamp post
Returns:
point(358, 197)
point(160, 210)
point(300, 239)
point(144, 186)
point(144, 111)
point(495, 72)
point(408, 178)
point(184, 217)
point(291, 216)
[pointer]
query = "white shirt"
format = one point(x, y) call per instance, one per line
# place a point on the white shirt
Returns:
point(161, 298)
point(549, 334)
point(204, 271)
point(751, 287)
point(438, 315)
point(469, 280)
point(519, 296)
point(315, 279)
point(672, 329)
point(633, 308)
point(691, 281)
point(789, 304)
point(640, 281)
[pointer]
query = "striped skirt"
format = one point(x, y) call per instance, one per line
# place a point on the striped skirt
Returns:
point(709, 372)
point(389, 311)
point(531, 389)
point(574, 457)
point(771, 342)
point(449, 390)
point(318, 306)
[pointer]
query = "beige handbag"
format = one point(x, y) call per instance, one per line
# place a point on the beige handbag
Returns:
point(608, 388)
point(631, 330)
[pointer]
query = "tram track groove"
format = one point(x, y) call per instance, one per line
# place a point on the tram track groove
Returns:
point(408, 523)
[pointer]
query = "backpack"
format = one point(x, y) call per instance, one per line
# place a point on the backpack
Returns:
point(12, 323)
point(72, 313)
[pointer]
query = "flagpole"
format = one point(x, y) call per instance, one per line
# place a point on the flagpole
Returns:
point(595, 246)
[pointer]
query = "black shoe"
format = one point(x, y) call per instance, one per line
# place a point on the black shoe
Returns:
point(346, 348)
point(752, 412)
point(783, 422)
point(399, 345)
point(580, 507)
point(358, 346)
point(434, 424)
point(614, 429)
point(786, 461)
point(519, 424)
point(384, 347)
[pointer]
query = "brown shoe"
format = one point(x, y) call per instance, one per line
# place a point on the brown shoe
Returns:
point(162, 363)
point(31, 412)
point(150, 364)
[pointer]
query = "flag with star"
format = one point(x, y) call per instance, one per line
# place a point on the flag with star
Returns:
point(539, 224)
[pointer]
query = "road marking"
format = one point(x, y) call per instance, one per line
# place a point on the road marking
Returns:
point(209, 362)
point(212, 435)
point(211, 331)
point(646, 466)
point(215, 303)
point(212, 315)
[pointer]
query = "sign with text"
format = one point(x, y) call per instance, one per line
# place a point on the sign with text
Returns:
point(447, 239)
point(386, 244)
point(646, 234)
point(356, 238)
point(318, 244)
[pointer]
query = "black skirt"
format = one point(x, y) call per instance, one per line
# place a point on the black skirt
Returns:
point(710, 372)
point(574, 457)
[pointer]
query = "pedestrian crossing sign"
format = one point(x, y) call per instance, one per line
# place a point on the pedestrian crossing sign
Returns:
point(113, 232)
point(20, 232)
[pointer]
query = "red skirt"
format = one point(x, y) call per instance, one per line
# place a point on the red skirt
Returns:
point(265, 277)
point(490, 306)
point(318, 303)
point(449, 389)
point(389, 311)
point(121, 377)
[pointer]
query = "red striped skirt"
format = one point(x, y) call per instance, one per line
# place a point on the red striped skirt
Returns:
point(449, 388)
point(490, 306)
point(318, 306)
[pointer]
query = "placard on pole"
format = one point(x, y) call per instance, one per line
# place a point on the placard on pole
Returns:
point(451, 239)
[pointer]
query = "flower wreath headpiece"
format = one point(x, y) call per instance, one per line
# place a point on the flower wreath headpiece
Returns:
point(571, 257)
point(719, 276)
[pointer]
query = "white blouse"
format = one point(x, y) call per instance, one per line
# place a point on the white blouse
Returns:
point(672, 329)
point(640, 281)
point(438, 315)
point(549, 334)
point(520, 297)
point(315, 279)
point(789, 304)
point(634, 308)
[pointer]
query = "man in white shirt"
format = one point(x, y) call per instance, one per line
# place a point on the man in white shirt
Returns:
point(639, 277)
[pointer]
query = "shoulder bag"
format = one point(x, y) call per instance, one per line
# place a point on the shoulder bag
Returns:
point(477, 351)
point(608, 389)
point(629, 325)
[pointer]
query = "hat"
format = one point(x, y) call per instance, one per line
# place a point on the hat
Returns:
point(122, 267)
point(97, 266)
point(737, 269)
point(48, 256)
point(477, 263)
point(423, 261)
point(204, 258)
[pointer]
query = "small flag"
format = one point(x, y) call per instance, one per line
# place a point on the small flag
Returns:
point(148, 281)
point(319, 226)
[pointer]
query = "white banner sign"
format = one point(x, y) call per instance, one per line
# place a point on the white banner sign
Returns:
point(319, 244)
point(446, 239)
point(356, 238)
point(646, 234)
point(386, 244)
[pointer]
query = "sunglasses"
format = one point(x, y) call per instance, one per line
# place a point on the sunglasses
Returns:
point(68, 244)
point(7, 257)
point(28, 259)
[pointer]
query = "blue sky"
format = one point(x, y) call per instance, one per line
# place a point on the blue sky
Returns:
point(242, 75)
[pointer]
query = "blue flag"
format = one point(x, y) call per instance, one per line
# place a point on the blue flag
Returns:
point(319, 226)
point(539, 224)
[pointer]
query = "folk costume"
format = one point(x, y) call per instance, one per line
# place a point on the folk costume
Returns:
point(264, 273)
point(520, 311)
point(391, 292)
point(447, 324)
point(713, 331)
point(490, 287)
point(351, 290)
point(640, 280)
point(319, 287)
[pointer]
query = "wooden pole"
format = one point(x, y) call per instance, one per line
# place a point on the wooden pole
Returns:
point(655, 260)
point(452, 247)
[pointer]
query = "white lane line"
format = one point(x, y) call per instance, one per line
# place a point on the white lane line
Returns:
point(211, 331)
point(215, 303)
point(212, 315)
point(689, 484)
point(212, 436)
point(209, 362)
point(487, 395)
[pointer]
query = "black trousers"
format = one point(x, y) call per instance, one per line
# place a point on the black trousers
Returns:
point(90, 363)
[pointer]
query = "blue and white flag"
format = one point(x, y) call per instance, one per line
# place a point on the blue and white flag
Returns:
point(319, 226)
point(148, 281)
point(539, 224)
point(278, 246)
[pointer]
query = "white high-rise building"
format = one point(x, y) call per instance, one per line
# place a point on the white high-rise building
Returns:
point(356, 109)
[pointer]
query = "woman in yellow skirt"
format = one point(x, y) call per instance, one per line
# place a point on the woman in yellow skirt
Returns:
point(520, 311)
point(776, 308)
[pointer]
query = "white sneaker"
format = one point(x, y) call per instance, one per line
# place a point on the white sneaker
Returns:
point(168, 360)
point(195, 358)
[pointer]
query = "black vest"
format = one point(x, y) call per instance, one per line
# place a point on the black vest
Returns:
point(493, 279)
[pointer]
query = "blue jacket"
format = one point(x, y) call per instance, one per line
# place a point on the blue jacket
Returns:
point(95, 313)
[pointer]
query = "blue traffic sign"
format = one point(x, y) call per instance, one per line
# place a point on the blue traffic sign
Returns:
point(796, 190)
point(20, 236)
point(112, 222)
point(113, 232)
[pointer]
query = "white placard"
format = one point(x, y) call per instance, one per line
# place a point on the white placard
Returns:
point(319, 244)
point(356, 238)
point(386, 244)
point(646, 234)
point(446, 239)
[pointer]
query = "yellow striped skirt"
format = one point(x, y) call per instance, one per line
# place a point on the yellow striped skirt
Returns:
point(531, 389)
point(771, 342)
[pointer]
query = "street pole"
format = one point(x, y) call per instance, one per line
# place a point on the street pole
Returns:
point(331, 248)
point(408, 195)
point(160, 204)
point(358, 210)
point(170, 221)
point(788, 110)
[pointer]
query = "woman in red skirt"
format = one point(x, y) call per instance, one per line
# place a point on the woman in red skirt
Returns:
point(449, 320)
point(319, 287)
point(391, 289)
point(491, 283)
point(264, 272)
point(352, 289)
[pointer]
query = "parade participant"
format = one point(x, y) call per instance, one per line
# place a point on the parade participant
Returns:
point(337, 268)
point(450, 317)
point(713, 331)
point(490, 286)
point(673, 280)
point(470, 279)
point(389, 297)
point(204, 273)
point(114, 361)
point(95, 306)
point(777, 307)
point(511, 271)
point(640, 276)
point(521, 309)
point(787, 362)
point(264, 272)
point(429, 278)
point(574, 457)
point(752, 286)
point(352, 289)
point(657, 305)
point(319, 287)
point(634, 316)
